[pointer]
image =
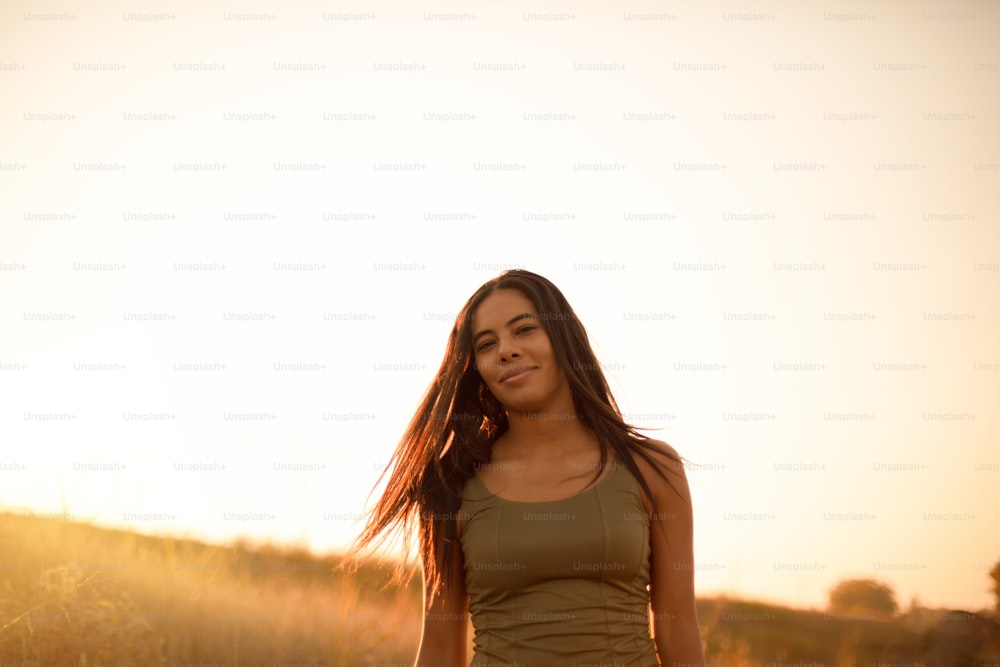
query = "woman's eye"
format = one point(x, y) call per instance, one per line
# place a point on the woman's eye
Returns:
point(524, 329)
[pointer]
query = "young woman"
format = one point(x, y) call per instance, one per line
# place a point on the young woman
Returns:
point(538, 509)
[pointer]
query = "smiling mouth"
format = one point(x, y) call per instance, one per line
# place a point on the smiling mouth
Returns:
point(516, 376)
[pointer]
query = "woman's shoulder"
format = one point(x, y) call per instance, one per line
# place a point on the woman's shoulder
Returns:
point(664, 454)
point(667, 477)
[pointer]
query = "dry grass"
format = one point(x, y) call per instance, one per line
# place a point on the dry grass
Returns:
point(74, 594)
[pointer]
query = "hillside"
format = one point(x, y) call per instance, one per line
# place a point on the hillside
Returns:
point(75, 594)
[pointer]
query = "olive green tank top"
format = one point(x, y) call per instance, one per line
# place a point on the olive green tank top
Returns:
point(560, 582)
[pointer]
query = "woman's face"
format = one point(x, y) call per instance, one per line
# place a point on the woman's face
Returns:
point(514, 356)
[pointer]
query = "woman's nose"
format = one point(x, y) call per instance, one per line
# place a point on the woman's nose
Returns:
point(508, 350)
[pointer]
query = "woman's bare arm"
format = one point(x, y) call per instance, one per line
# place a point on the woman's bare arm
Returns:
point(675, 618)
point(444, 639)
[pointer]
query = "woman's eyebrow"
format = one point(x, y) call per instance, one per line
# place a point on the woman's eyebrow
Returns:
point(516, 318)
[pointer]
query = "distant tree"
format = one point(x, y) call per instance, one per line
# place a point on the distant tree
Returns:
point(863, 596)
point(995, 576)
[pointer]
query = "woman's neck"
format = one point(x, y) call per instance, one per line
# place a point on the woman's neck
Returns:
point(545, 435)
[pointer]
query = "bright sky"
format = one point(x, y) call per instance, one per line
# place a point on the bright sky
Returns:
point(233, 244)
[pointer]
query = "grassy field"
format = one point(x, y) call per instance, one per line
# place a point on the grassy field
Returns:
point(74, 594)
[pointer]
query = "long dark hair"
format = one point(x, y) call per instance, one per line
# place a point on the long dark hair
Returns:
point(459, 419)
